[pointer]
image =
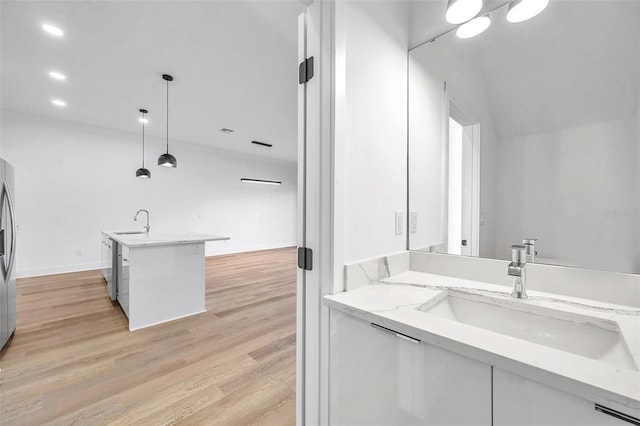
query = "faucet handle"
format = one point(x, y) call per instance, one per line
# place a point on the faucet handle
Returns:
point(518, 253)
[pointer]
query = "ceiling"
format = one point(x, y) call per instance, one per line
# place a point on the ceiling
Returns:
point(234, 65)
point(578, 62)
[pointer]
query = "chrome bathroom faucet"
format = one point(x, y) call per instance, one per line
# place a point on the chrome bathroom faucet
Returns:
point(530, 244)
point(148, 226)
point(517, 271)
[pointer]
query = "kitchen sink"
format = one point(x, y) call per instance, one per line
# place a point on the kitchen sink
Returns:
point(130, 233)
point(591, 337)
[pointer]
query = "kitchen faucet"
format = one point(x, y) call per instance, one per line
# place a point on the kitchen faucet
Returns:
point(517, 271)
point(148, 227)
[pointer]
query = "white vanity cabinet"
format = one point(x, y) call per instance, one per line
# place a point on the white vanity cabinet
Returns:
point(524, 402)
point(378, 377)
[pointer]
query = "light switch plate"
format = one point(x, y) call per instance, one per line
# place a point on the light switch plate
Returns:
point(399, 223)
point(414, 222)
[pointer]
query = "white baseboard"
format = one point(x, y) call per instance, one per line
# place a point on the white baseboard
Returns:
point(209, 251)
point(52, 270)
point(217, 250)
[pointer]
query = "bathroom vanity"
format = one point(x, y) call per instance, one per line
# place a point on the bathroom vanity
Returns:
point(159, 277)
point(413, 347)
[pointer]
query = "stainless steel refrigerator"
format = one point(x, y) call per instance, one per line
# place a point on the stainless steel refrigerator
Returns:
point(7, 253)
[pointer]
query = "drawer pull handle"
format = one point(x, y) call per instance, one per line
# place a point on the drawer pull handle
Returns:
point(395, 333)
point(617, 415)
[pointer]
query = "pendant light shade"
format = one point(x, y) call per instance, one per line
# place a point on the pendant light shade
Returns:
point(521, 10)
point(142, 172)
point(166, 159)
point(460, 11)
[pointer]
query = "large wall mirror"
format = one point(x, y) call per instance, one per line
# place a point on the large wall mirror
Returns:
point(530, 131)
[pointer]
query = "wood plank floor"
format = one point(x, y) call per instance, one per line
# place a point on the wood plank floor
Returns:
point(72, 359)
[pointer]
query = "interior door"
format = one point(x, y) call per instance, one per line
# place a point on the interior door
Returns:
point(301, 230)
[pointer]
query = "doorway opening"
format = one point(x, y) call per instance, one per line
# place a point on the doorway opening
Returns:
point(463, 193)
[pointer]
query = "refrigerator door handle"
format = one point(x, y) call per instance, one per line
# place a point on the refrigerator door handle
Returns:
point(12, 255)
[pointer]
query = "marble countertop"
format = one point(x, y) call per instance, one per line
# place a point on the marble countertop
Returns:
point(394, 302)
point(160, 238)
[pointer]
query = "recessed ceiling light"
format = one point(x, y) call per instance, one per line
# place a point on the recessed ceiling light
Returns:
point(225, 130)
point(52, 30)
point(59, 102)
point(143, 120)
point(57, 75)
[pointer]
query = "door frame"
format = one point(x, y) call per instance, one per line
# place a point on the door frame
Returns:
point(315, 213)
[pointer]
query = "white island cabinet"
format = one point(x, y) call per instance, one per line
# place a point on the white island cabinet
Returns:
point(160, 276)
point(380, 377)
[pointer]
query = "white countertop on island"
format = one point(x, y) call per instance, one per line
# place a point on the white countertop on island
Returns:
point(160, 238)
point(393, 302)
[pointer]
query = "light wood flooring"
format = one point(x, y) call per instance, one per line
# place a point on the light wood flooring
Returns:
point(72, 359)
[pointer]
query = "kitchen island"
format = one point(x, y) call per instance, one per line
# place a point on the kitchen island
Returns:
point(159, 277)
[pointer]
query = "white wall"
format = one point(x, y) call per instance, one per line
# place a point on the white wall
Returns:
point(576, 192)
point(371, 96)
point(74, 180)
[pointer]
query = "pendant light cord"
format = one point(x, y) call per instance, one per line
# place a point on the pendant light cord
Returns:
point(167, 116)
point(143, 140)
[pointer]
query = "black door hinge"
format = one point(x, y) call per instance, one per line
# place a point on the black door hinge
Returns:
point(305, 258)
point(305, 70)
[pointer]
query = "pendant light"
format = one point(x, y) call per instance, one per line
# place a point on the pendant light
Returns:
point(459, 11)
point(521, 10)
point(260, 181)
point(166, 159)
point(143, 172)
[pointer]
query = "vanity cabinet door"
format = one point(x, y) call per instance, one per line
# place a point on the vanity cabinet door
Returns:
point(378, 378)
point(523, 402)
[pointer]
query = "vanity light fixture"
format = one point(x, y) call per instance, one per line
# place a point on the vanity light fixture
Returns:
point(166, 159)
point(459, 11)
point(57, 76)
point(143, 172)
point(473, 27)
point(59, 102)
point(52, 30)
point(521, 10)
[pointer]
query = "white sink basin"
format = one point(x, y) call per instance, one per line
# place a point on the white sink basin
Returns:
point(591, 337)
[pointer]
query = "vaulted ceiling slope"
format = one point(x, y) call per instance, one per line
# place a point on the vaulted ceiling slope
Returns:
point(578, 62)
point(234, 64)
point(574, 64)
